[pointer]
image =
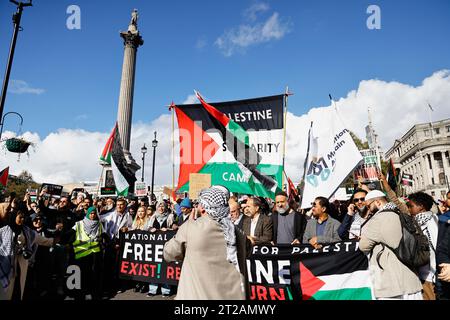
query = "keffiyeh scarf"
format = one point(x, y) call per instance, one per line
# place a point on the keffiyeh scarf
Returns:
point(215, 201)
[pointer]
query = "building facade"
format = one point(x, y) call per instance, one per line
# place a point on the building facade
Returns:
point(424, 152)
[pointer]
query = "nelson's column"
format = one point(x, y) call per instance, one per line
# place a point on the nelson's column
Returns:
point(131, 40)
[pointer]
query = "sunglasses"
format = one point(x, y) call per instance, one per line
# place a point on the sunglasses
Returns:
point(355, 200)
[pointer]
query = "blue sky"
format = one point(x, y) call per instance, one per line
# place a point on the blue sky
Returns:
point(322, 47)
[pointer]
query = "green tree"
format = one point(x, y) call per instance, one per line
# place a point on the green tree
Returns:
point(20, 184)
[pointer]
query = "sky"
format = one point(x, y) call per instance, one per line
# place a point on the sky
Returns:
point(65, 83)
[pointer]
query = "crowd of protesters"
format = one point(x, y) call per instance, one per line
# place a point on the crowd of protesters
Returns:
point(39, 240)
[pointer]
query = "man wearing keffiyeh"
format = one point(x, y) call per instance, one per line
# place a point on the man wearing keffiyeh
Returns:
point(213, 251)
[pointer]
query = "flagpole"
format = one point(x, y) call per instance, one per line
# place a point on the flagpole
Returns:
point(173, 153)
point(306, 160)
point(100, 181)
point(429, 116)
point(286, 96)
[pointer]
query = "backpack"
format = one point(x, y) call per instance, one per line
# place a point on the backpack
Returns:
point(413, 250)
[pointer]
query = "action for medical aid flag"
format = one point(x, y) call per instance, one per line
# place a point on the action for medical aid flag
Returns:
point(331, 157)
point(240, 143)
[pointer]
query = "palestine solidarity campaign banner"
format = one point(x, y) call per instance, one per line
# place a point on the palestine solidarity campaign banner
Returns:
point(240, 143)
point(338, 271)
point(142, 258)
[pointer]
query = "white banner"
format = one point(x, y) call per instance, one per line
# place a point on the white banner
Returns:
point(332, 157)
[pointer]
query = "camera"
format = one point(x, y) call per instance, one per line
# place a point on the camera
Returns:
point(26, 254)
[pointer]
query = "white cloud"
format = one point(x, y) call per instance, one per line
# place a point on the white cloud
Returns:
point(22, 87)
point(72, 155)
point(191, 99)
point(254, 10)
point(240, 38)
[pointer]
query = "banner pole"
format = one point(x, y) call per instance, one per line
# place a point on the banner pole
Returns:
point(100, 181)
point(286, 95)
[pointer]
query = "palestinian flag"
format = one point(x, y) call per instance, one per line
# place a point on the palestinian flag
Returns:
point(341, 275)
point(113, 155)
point(392, 175)
point(291, 189)
point(240, 143)
point(407, 179)
point(4, 177)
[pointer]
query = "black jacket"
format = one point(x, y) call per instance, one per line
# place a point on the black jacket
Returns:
point(299, 226)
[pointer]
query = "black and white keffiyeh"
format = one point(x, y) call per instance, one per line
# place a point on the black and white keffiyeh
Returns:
point(215, 201)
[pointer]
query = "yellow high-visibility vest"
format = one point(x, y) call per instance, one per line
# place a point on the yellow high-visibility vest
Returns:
point(83, 245)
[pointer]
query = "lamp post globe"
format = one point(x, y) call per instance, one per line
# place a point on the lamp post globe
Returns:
point(144, 151)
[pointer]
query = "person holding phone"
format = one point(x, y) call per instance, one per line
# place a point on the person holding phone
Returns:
point(350, 227)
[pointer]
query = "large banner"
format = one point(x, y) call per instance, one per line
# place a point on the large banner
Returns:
point(338, 271)
point(332, 156)
point(141, 257)
point(240, 143)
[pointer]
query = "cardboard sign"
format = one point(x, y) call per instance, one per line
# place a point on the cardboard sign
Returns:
point(197, 182)
point(140, 189)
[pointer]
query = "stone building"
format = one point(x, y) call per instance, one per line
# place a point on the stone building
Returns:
point(424, 152)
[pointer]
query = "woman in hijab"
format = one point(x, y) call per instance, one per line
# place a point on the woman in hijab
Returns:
point(88, 253)
point(162, 220)
point(18, 244)
point(213, 251)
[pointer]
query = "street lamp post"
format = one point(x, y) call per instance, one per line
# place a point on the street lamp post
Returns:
point(17, 28)
point(144, 151)
point(154, 145)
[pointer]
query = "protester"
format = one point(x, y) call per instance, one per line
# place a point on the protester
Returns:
point(288, 224)
point(113, 223)
point(235, 213)
point(140, 221)
point(162, 220)
point(209, 247)
point(419, 205)
point(323, 229)
point(186, 208)
point(18, 244)
point(443, 261)
point(257, 226)
point(392, 280)
point(88, 254)
point(350, 227)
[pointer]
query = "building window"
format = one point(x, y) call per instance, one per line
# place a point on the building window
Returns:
point(441, 178)
point(429, 161)
point(448, 129)
point(437, 130)
point(433, 193)
point(432, 180)
point(427, 133)
point(438, 158)
point(447, 157)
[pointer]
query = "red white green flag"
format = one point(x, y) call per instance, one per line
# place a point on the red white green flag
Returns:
point(240, 143)
point(4, 177)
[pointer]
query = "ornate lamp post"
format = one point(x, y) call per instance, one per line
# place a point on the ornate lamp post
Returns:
point(17, 28)
point(154, 145)
point(144, 151)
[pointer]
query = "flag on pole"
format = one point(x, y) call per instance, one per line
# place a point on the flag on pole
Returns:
point(113, 155)
point(291, 189)
point(238, 142)
point(392, 175)
point(4, 177)
point(333, 155)
point(429, 105)
point(407, 179)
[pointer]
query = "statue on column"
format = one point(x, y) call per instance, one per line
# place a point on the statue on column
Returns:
point(133, 23)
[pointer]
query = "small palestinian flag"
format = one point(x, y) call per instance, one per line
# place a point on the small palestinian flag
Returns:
point(239, 143)
point(4, 177)
point(113, 155)
point(343, 275)
point(392, 175)
point(407, 179)
point(291, 189)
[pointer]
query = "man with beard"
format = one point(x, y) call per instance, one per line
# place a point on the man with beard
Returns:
point(392, 280)
point(350, 227)
point(288, 224)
